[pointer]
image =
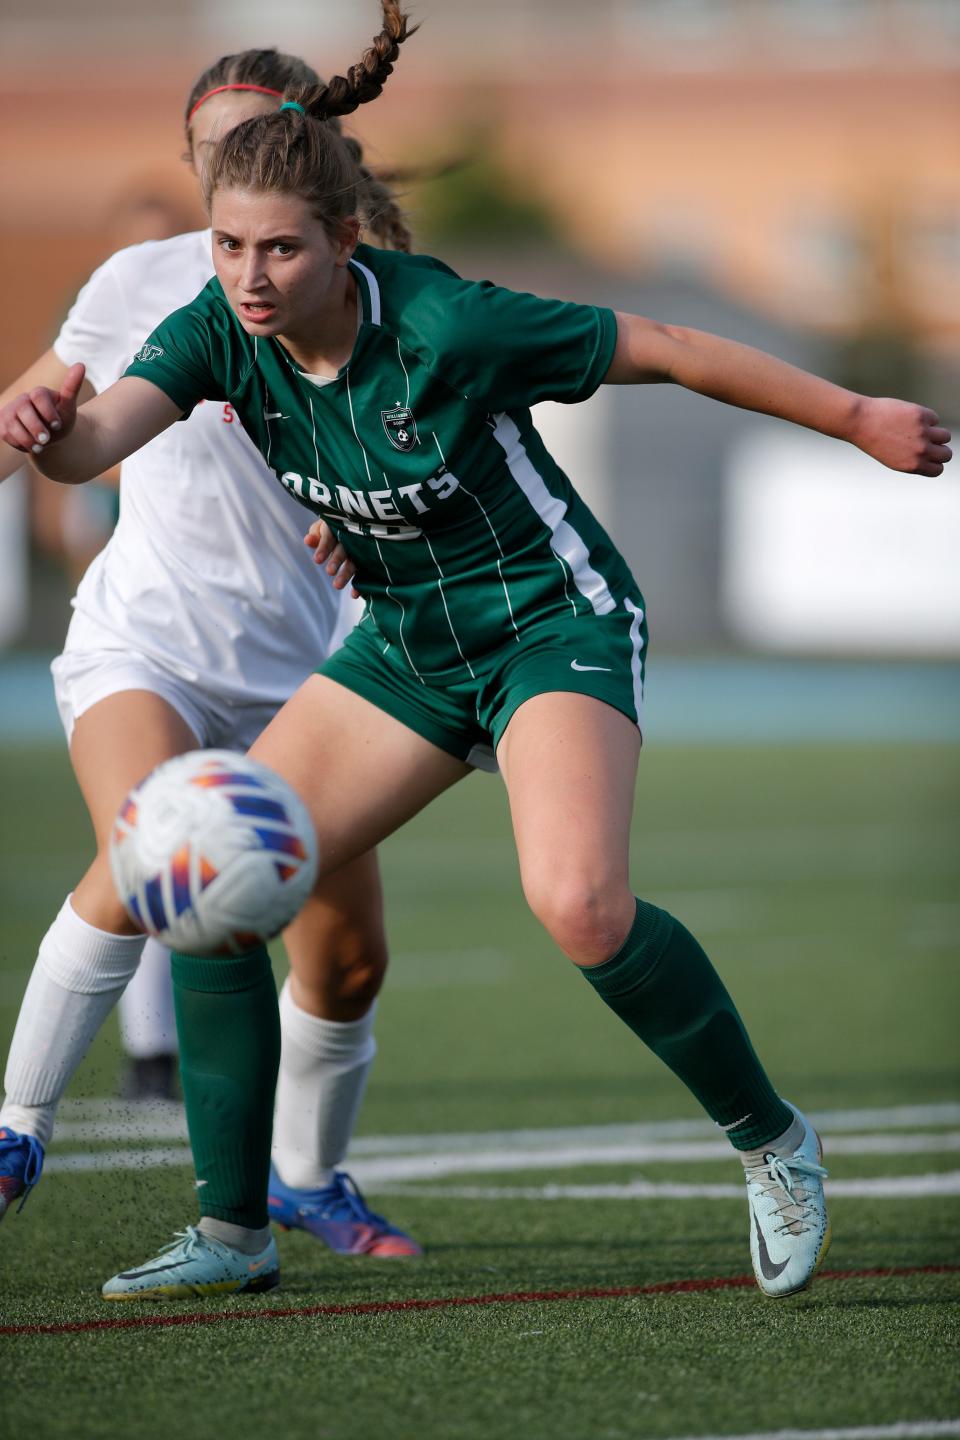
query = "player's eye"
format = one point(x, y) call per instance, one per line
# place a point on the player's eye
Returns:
point(228, 244)
point(282, 248)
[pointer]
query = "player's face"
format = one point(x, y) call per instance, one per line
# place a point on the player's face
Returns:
point(221, 113)
point(280, 270)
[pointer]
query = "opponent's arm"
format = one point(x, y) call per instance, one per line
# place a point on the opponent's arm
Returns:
point(72, 445)
point(900, 434)
point(48, 372)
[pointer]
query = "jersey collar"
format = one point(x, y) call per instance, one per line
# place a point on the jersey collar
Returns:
point(369, 289)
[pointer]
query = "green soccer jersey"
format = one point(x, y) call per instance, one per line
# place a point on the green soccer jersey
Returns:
point(421, 455)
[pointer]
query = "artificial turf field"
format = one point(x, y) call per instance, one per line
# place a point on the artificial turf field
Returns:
point(507, 1113)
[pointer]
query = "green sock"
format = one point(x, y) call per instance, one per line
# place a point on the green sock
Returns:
point(229, 1028)
point(662, 985)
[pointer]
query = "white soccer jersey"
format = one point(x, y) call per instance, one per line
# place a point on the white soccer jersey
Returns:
point(224, 595)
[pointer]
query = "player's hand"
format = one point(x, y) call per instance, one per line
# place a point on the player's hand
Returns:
point(41, 416)
point(328, 552)
point(903, 435)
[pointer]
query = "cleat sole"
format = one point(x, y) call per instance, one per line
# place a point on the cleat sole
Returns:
point(258, 1286)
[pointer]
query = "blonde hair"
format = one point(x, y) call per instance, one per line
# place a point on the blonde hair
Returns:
point(304, 151)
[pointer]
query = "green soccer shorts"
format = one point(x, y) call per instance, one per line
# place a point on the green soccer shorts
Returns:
point(466, 715)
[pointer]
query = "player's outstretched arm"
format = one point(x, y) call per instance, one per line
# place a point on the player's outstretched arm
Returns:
point(898, 433)
point(72, 444)
point(47, 371)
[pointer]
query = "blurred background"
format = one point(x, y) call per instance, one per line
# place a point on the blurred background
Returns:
point(786, 172)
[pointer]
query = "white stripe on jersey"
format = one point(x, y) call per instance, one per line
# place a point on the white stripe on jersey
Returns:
point(470, 495)
point(403, 612)
point(565, 543)
point(358, 440)
point(313, 426)
point(443, 597)
point(407, 378)
point(496, 538)
point(636, 640)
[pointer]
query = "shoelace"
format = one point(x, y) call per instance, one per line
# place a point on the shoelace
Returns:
point(779, 1172)
point(189, 1240)
point(34, 1162)
point(347, 1193)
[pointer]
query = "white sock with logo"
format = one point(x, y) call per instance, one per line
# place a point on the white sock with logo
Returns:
point(323, 1073)
point(79, 975)
point(148, 1026)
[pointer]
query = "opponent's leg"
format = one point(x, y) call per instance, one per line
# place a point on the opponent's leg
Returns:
point(569, 763)
point(91, 949)
point(379, 774)
point(148, 1029)
point(338, 957)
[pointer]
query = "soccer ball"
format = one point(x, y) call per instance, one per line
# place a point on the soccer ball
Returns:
point(213, 853)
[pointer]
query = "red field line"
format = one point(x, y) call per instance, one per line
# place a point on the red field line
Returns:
point(449, 1302)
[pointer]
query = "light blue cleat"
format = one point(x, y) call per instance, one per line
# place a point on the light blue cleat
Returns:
point(789, 1229)
point(196, 1265)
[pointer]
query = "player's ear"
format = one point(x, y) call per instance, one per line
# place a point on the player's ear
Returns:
point(347, 238)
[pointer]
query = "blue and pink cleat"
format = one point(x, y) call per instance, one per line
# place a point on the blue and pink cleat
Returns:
point(21, 1160)
point(340, 1217)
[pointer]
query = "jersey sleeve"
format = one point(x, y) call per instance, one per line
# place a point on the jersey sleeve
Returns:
point(95, 328)
point(180, 358)
point(508, 350)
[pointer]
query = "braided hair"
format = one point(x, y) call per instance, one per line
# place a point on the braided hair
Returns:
point(304, 151)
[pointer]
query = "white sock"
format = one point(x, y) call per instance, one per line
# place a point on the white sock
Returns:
point(79, 975)
point(323, 1072)
point(147, 1023)
point(786, 1144)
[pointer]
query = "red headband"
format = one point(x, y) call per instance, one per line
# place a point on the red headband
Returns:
point(260, 89)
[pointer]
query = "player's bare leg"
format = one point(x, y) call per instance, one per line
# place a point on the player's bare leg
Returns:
point(92, 949)
point(569, 763)
point(113, 746)
point(363, 775)
point(338, 957)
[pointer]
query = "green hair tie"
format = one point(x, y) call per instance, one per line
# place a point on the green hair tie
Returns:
point(292, 105)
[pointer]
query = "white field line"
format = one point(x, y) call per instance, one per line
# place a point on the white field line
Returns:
point(436, 1164)
point(887, 1187)
point(891, 1187)
point(902, 1430)
point(156, 1158)
point(120, 1120)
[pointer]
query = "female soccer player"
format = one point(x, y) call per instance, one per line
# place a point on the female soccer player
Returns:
point(392, 398)
point(178, 640)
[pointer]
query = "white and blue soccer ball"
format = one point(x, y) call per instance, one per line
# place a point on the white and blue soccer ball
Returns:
point(213, 853)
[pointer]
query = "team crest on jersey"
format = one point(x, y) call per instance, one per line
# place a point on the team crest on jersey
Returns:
point(148, 352)
point(401, 427)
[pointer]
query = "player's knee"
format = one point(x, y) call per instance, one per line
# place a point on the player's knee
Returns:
point(342, 976)
point(358, 982)
point(95, 898)
point(588, 919)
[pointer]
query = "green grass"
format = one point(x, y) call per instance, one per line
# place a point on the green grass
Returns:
point(822, 880)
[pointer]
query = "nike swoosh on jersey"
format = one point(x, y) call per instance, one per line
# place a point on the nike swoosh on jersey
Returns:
point(274, 415)
point(575, 665)
point(769, 1270)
